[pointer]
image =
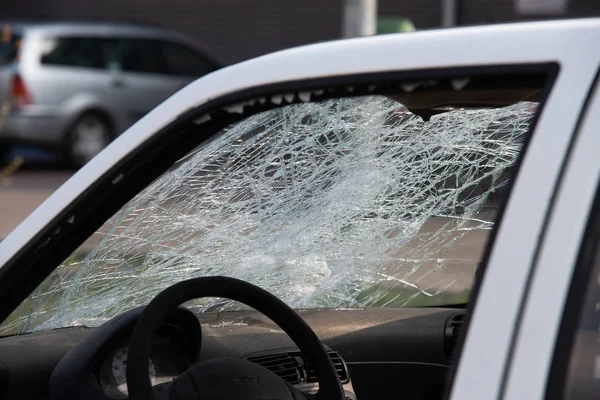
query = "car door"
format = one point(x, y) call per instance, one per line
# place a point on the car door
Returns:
point(137, 77)
point(557, 349)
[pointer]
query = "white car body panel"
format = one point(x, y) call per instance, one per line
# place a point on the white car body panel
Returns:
point(488, 342)
point(553, 271)
point(568, 43)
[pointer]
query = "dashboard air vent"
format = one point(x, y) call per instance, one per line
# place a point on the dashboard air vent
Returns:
point(284, 365)
point(293, 367)
point(451, 332)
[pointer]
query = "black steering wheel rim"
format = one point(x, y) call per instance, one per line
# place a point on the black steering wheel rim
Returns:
point(138, 381)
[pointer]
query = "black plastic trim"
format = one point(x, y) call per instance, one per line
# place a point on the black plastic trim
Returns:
point(75, 375)
point(4, 379)
point(296, 357)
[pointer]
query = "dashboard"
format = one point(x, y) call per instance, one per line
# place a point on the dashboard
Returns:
point(173, 352)
point(375, 352)
point(177, 345)
point(99, 361)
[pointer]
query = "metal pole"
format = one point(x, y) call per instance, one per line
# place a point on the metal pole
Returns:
point(360, 18)
point(449, 17)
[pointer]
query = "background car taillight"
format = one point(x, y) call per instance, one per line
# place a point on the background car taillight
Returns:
point(20, 96)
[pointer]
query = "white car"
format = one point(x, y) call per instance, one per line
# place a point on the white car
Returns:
point(449, 252)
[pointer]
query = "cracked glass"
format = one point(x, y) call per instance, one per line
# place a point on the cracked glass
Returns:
point(341, 203)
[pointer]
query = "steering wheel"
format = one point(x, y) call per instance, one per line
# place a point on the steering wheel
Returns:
point(227, 378)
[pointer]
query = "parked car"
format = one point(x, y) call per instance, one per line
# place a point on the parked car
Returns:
point(73, 87)
point(283, 183)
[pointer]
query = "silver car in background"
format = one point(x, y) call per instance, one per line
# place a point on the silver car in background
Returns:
point(73, 87)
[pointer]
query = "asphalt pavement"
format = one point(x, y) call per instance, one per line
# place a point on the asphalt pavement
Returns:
point(28, 179)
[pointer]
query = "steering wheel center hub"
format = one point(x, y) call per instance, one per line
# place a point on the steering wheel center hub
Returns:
point(230, 378)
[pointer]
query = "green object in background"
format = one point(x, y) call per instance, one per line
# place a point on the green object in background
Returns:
point(394, 25)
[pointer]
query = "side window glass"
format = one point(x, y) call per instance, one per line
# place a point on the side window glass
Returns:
point(133, 55)
point(181, 60)
point(85, 52)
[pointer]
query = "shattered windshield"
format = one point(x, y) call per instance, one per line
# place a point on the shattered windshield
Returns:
point(352, 202)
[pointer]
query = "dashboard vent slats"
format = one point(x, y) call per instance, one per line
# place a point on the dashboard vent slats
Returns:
point(282, 364)
point(293, 367)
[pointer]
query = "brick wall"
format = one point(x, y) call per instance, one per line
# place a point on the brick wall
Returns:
point(427, 13)
point(488, 11)
point(234, 30)
point(423, 13)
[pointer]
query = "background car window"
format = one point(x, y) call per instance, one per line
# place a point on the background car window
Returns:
point(133, 55)
point(180, 60)
point(87, 52)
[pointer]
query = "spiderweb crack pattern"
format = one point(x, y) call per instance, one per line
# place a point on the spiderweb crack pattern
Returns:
point(345, 203)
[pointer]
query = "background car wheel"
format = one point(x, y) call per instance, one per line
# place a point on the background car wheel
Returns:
point(88, 136)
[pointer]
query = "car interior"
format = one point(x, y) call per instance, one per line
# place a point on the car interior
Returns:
point(355, 283)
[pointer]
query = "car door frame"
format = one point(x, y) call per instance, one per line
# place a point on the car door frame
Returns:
point(545, 304)
point(491, 328)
